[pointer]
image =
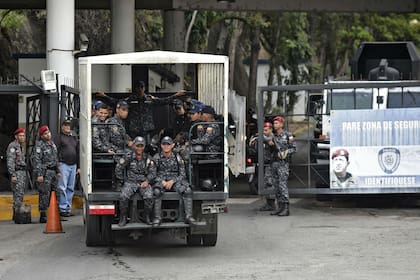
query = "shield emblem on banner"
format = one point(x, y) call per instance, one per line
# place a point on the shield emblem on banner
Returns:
point(389, 159)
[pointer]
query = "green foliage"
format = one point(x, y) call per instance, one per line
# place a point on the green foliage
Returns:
point(11, 19)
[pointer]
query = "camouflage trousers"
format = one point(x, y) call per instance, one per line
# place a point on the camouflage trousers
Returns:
point(280, 173)
point(19, 189)
point(182, 188)
point(130, 188)
point(44, 189)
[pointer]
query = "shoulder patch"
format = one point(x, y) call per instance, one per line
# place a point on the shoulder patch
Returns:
point(115, 128)
point(121, 161)
point(12, 150)
point(38, 150)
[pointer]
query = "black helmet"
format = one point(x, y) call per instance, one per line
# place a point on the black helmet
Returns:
point(207, 184)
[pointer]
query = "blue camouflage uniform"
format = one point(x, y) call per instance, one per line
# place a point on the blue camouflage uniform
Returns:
point(16, 165)
point(100, 136)
point(172, 168)
point(209, 136)
point(137, 172)
point(140, 117)
point(117, 134)
point(45, 163)
point(279, 165)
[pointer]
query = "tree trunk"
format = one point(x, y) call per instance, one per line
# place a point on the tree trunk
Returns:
point(253, 67)
point(236, 33)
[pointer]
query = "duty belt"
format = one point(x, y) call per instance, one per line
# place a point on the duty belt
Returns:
point(51, 168)
point(20, 168)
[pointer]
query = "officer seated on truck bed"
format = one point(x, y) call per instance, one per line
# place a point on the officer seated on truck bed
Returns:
point(140, 172)
point(171, 176)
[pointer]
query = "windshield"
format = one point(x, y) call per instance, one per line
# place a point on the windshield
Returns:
point(404, 98)
point(349, 99)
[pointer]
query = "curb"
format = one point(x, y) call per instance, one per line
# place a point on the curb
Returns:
point(6, 205)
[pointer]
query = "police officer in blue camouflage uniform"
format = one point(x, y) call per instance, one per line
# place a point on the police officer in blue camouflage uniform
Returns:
point(46, 170)
point(171, 176)
point(100, 131)
point(140, 174)
point(118, 136)
point(140, 118)
point(16, 165)
point(283, 147)
point(210, 136)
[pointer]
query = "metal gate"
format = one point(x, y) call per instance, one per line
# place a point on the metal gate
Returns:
point(308, 175)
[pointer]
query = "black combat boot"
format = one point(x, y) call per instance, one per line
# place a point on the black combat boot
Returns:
point(14, 213)
point(188, 205)
point(285, 210)
point(157, 219)
point(280, 207)
point(268, 206)
point(123, 217)
point(148, 209)
point(42, 217)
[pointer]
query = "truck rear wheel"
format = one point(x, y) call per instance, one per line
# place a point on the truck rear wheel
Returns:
point(193, 239)
point(210, 239)
point(97, 229)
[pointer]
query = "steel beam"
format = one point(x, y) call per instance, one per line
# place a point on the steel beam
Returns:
point(401, 6)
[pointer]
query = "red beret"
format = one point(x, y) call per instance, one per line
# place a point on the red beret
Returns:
point(19, 130)
point(340, 152)
point(42, 129)
point(278, 118)
point(268, 124)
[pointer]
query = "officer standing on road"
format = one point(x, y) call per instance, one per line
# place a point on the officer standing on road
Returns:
point(16, 165)
point(268, 177)
point(46, 170)
point(171, 176)
point(282, 148)
point(141, 172)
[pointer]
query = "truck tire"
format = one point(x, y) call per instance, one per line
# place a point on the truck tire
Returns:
point(253, 185)
point(193, 239)
point(209, 240)
point(106, 231)
point(98, 230)
point(92, 229)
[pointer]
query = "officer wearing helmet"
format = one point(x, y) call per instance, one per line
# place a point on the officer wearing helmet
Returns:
point(340, 178)
point(171, 176)
point(282, 147)
point(16, 165)
point(140, 173)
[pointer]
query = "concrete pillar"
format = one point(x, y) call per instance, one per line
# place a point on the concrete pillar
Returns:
point(123, 41)
point(60, 46)
point(174, 36)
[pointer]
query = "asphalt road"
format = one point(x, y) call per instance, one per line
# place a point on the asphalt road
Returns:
point(347, 239)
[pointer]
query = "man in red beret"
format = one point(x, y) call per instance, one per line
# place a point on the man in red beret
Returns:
point(282, 147)
point(16, 165)
point(46, 170)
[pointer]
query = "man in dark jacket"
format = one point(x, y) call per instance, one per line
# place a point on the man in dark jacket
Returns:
point(68, 157)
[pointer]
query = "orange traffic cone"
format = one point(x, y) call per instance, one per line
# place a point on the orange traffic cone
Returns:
point(53, 217)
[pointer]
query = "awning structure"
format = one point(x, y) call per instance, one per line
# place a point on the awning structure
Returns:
point(401, 6)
